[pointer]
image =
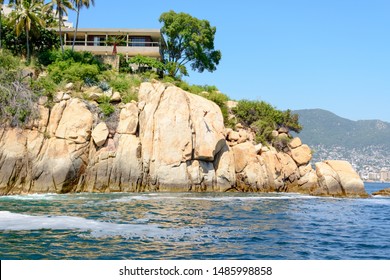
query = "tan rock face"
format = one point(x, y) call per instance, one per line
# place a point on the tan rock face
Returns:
point(339, 178)
point(208, 127)
point(243, 155)
point(328, 180)
point(302, 154)
point(12, 158)
point(251, 173)
point(169, 112)
point(50, 159)
point(77, 129)
point(225, 169)
point(100, 134)
point(128, 119)
point(304, 169)
point(308, 183)
point(59, 166)
point(116, 97)
point(233, 136)
point(170, 140)
point(55, 117)
point(349, 179)
point(295, 143)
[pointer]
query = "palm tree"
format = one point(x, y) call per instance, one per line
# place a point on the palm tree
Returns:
point(78, 4)
point(27, 16)
point(61, 7)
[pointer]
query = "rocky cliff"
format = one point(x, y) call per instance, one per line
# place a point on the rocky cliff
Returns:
point(169, 141)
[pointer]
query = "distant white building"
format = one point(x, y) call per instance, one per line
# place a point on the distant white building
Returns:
point(385, 175)
point(373, 176)
point(6, 10)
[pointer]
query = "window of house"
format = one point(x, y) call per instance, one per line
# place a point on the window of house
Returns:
point(96, 41)
point(138, 42)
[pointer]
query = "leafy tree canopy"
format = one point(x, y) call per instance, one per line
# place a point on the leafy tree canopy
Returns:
point(188, 40)
point(144, 62)
point(263, 118)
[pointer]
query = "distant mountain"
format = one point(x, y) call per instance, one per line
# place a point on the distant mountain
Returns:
point(366, 144)
point(321, 127)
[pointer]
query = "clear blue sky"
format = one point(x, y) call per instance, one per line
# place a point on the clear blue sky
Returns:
point(297, 54)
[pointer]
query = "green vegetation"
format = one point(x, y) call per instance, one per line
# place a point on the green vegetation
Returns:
point(73, 72)
point(1, 23)
point(263, 118)
point(27, 16)
point(17, 100)
point(105, 106)
point(146, 63)
point(188, 40)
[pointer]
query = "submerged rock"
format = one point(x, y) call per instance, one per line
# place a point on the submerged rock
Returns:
point(385, 192)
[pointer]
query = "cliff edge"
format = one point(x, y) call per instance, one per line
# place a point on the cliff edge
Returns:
point(170, 140)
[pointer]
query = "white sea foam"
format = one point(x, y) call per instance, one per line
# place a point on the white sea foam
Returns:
point(379, 200)
point(49, 196)
point(16, 222)
point(142, 198)
point(249, 198)
point(147, 197)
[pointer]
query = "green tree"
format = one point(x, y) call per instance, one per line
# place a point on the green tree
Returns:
point(61, 7)
point(144, 62)
point(1, 20)
point(188, 40)
point(40, 42)
point(115, 41)
point(27, 16)
point(78, 4)
point(263, 118)
point(18, 102)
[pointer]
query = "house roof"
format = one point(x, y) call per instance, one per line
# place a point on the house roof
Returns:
point(154, 33)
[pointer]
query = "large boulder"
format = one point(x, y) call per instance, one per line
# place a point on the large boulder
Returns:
point(100, 134)
point(128, 119)
point(76, 129)
point(290, 169)
point(385, 192)
point(13, 162)
point(338, 178)
point(328, 180)
point(301, 154)
point(295, 143)
point(225, 169)
point(349, 179)
point(176, 128)
point(251, 173)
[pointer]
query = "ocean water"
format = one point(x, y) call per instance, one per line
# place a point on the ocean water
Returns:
point(194, 226)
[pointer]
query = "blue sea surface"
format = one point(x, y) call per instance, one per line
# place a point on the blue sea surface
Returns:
point(195, 226)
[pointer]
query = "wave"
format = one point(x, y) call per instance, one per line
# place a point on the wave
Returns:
point(147, 197)
point(22, 222)
point(48, 196)
point(249, 198)
point(142, 198)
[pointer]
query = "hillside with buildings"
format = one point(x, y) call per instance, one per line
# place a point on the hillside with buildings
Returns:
point(364, 143)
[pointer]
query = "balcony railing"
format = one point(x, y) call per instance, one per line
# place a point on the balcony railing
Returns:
point(108, 44)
